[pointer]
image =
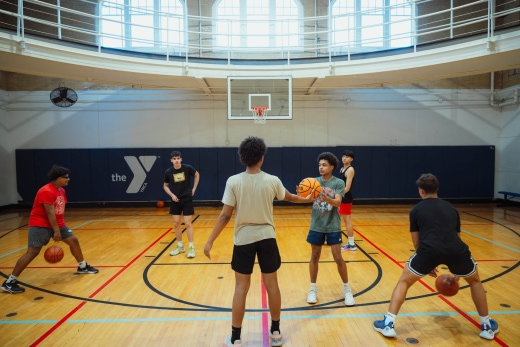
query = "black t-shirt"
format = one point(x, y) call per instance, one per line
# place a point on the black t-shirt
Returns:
point(179, 180)
point(438, 224)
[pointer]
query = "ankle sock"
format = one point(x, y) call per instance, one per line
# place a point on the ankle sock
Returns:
point(11, 278)
point(389, 317)
point(235, 333)
point(190, 244)
point(180, 244)
point(484, 320)
point(275, 326)
point(351, 240)
point(82, 264)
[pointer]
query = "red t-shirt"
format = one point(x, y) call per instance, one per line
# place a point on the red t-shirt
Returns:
point(48, 194)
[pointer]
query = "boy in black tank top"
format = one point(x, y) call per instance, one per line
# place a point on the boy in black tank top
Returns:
point(347, 174)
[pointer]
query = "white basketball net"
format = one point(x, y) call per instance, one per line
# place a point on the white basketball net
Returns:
point(260, 115)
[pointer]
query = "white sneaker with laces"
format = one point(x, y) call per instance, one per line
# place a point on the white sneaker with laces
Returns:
point(349, 298)
point(312, 297)
point(178, 250)
point(191, 252)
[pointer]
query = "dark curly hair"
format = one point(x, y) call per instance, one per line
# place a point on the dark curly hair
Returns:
point(175, 154)
point(428, 182)
point(57, 171)
point(251, 150)
point(331, 158)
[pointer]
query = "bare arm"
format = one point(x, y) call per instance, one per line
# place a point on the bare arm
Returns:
point(349, 174)
point(336, 202)
point(51, 216)
point(166, 187)
point(195, 182)
point(222, 221)
point(296, 198)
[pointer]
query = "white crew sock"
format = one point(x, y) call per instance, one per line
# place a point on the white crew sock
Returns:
point(390, 317)
point(351, 240)
point(485, 320)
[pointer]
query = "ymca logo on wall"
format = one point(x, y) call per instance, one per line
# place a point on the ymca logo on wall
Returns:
point(140, 167)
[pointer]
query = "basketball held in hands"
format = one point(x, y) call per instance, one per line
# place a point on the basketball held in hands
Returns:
point(447, 285)
point(54, 254)
point(306, 186)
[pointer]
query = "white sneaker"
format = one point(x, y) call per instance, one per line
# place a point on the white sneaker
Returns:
point(191, 252)
point(349, 298)
point(178, 250)
point(312, 297)
point(227, 342)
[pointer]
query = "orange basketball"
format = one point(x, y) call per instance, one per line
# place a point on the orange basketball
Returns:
point(307, 185)
point(447, 285)
point(54, 254)
point(160, 204)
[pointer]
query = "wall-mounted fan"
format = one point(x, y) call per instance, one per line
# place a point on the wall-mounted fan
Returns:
point(63, 97)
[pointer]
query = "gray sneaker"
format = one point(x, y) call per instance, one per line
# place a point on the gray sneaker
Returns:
point(178, 250)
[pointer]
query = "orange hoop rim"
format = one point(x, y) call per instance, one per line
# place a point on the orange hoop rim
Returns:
point(259, 109)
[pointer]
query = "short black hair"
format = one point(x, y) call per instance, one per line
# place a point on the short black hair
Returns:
point(251, 150)
point(57, 171)
point(348, 153)
point(428, 182)
point(175, 154)
point(331, 158)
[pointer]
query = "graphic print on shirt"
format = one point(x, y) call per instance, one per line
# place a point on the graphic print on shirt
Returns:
point(179, 177)
point(59, 205)
point(324, 207)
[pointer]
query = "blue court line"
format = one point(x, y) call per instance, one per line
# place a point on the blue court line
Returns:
point(16, 250)
point(491, 241)
point(83, 224)
point(252, 317)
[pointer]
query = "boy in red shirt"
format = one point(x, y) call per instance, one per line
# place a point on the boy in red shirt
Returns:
point(46, 222)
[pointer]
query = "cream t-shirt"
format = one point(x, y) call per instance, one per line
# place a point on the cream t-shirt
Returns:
point(252, 197)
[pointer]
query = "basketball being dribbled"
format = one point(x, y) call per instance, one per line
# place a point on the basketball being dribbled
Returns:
point(447, 285)
point(307, 185)
point(54, 254)
point(160, 204)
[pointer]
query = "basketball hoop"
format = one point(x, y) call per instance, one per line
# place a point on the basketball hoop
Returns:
point(260, 113)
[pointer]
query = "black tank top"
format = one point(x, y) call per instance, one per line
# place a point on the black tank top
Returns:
point(348, 198)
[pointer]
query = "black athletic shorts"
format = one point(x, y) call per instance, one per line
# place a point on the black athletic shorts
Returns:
point(183, 206)
point(462, 265)
point(268, 257)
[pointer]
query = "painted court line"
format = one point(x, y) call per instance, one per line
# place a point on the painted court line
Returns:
point(71, 313)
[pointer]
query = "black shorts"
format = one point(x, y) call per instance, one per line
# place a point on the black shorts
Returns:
point(462, 265)
point(268, 257)
point(183, 206)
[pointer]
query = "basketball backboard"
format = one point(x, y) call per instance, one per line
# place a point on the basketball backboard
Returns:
point(245, 93)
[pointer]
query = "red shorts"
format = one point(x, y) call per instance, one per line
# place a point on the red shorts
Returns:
point(345, 209)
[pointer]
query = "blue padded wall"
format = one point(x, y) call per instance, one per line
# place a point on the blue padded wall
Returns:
point(137, 174)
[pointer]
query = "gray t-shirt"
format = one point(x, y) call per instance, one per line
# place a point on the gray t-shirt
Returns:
point(252, 197)
point(325, 218)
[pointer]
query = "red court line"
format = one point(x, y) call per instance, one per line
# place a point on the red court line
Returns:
point(462, 313)
point(483, 260)
point(67, 316)
point(265, 316)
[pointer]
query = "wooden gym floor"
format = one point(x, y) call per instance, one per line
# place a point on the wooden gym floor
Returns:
point(142, 296)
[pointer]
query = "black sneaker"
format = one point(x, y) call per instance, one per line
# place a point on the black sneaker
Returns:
point(87, 270)
point(12, 287)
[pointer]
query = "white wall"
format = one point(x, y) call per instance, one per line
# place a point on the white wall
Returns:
point(129, 118)
point(508, 154)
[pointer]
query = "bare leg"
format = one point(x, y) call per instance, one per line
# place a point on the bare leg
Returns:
point(25, 260)
point(347, 219)
point(242, 283)
point(189, 228)
point(313, 263)
point(478, 294)
point(273, 294)
point(75, 248)
point(407, 279)
point(340, 262)
point(178, 227)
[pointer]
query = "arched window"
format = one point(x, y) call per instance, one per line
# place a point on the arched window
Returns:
point(150, 25)
point(365, 25)
point(257, 23)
